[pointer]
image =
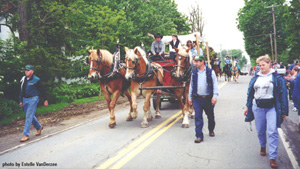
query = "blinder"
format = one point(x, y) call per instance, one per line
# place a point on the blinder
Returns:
point(135, 62)
point(99, 60)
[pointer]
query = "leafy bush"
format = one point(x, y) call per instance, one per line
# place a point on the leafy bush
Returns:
point(70, 92)
point(9, 108)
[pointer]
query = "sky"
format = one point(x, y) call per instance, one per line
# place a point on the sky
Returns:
point(220, 29)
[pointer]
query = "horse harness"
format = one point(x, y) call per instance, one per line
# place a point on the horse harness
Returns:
point(187, 72)
point(113, 72)
point(144, 77)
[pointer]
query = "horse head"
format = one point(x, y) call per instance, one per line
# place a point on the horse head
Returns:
point(94, 60)
point(182, 60)
point(234, 64)
point(133, 61)
point(98, 61)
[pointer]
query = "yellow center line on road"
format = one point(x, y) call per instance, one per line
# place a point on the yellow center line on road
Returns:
point(112, 160)
point(135, 148)
point(144, 145)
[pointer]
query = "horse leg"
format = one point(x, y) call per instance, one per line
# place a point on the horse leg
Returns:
point(147, 113)
point(127, 94)
point(112, 121)
point(185, 120)
point(157, 112)
point(134, 104)
point(108, 100)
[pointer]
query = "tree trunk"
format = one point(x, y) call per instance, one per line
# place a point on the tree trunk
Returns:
point(22, 10)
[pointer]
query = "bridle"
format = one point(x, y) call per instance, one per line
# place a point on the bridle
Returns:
point(98, 61)
point(142, 77)
point(179, 58)
point(135, 62)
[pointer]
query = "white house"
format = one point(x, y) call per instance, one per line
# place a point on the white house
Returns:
point(4, 30)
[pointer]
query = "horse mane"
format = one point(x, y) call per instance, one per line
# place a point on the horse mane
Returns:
point(106, 56)
point(132, 54)
point(183, 52)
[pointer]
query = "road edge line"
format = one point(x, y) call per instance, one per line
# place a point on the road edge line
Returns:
point(288, 150)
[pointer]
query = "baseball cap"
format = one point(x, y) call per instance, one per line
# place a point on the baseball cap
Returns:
point(29, 67)
point(199, 57)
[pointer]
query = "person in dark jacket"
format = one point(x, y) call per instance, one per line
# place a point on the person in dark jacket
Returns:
point(203, 93)
point(175, 43)
point(296, 96)
point(267, 102)
point(30, 90)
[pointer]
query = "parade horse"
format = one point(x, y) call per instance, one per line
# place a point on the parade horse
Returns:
point(227, 72)
point(142, 73)
point(111, 82)
point(235, 71)
point(181, 76)
point(217, 71)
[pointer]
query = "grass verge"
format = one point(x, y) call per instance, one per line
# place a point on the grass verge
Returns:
point(52, 108)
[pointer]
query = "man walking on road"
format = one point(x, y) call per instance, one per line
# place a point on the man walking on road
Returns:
point(203, 95)
point(30, 90)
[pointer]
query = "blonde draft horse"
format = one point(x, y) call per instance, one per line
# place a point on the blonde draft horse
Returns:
point(100, 62)
point(235, 72)
point(138, 71)
point(181, 76)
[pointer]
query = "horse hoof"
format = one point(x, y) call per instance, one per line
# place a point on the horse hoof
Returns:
point(185, 126)
point(157, 116)
point(112, 125)
point(144, 125)
point(129, 118)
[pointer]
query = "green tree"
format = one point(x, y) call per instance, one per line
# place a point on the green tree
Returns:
point(234, 53)
point(255, 21)
point(293, 29)
point(143, 16)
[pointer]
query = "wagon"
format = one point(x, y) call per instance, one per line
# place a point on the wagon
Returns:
point(165, 91)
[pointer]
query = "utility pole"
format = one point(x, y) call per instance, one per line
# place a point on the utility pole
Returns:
point(271, 46)
point(274, 27)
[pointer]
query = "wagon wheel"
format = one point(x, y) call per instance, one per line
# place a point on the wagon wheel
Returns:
point(154, 103)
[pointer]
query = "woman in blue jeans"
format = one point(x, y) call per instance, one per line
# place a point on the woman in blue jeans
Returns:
point(267, 103)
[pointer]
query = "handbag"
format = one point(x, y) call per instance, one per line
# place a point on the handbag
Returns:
point(265, 103)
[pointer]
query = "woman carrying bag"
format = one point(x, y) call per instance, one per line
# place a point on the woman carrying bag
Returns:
point(267, 103)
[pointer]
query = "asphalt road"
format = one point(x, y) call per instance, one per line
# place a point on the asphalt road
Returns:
point(164, 144)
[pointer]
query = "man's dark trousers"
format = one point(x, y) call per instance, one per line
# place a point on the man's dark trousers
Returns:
point(199, 105)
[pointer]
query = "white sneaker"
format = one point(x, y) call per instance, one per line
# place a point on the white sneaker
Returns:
point(295, 109)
